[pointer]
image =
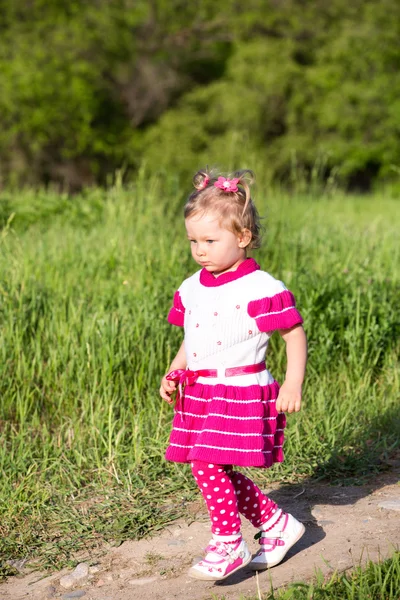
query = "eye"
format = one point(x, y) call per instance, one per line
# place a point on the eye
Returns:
point(192, 241)
point(210, 241)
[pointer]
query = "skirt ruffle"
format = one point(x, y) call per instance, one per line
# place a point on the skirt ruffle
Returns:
point(228, 425)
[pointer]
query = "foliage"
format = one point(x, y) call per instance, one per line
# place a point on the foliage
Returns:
point(79, 79)
point(92, 87)
point(294, 95)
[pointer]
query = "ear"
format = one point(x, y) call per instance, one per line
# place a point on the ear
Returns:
point(244, 238)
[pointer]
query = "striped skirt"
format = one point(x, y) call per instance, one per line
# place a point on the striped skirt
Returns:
point(228, 425)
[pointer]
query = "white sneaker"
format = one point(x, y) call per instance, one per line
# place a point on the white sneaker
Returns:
point(276, 542)
point(221, 560)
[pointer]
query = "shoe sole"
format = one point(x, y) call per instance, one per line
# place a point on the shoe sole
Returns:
point(198, 575)
point(260, 567)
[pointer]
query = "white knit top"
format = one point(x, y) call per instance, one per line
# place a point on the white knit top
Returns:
point(228, 321)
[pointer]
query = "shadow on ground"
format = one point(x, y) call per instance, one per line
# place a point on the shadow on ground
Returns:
point(347, 477)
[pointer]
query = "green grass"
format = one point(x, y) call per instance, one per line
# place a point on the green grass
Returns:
point(86, 284)
point(375, 581)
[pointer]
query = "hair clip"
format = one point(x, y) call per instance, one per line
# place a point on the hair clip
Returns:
point(227, 185)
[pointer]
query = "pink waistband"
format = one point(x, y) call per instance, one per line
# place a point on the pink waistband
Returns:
point(188, 377)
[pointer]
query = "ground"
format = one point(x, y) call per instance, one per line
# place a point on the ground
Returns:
point(345, 526)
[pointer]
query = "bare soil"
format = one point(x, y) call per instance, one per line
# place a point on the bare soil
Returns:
point(345, 526)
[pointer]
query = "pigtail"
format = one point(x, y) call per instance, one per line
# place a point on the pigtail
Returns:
point(245, 179)
point(250, 216)
point(202, 179)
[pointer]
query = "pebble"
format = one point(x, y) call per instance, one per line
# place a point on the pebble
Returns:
point(18, 564)
point(104, 580)
point(326, 522)
point(94, 569)
point(142, 581)
point(177, 532)
point(49, 592)
point(74, 594)
point(390, 504)
point(77, 576)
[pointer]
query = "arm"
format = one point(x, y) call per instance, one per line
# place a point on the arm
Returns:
point(289, 398)
point(168, 387)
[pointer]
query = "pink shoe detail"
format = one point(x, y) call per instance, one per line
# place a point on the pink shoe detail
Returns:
point(276, 542)
point(221, 560)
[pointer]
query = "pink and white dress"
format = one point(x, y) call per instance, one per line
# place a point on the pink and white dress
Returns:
point(228, 320)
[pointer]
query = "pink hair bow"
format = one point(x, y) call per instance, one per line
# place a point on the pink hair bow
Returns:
point(227, 185)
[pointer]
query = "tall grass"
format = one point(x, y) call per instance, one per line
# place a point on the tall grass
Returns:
point(375, 581)
point(85, 287)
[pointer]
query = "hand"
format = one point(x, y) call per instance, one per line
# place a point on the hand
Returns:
point(167, 389)
point(289, 398)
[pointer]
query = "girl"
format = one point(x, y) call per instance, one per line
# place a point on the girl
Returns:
point(229, 409)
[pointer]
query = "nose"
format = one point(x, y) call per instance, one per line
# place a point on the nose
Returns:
point(200, 250)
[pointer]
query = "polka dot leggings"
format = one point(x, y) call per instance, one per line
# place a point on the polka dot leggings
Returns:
point(228, 493)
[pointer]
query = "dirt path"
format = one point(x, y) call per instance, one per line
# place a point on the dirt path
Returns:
point(344, 526)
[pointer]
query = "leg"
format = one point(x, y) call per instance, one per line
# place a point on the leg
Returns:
point(279, 530)
point(252, 503)
point(227, 551)
point(220, 497)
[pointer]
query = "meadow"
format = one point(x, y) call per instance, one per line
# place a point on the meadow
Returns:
point(85, 287)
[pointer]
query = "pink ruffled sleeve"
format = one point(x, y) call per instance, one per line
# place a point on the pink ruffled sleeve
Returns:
point(177, 313)
point(276, 312)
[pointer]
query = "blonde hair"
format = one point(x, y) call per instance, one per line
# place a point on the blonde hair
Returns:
point(235, 209)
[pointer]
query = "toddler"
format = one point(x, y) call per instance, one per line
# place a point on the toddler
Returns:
point(229, 409)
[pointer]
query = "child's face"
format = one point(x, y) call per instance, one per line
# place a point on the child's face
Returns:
point(213, 247)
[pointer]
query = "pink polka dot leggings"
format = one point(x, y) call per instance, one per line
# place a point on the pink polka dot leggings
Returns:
point(228, 493)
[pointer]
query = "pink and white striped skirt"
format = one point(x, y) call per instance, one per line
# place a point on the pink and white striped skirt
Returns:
point(228, 425)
